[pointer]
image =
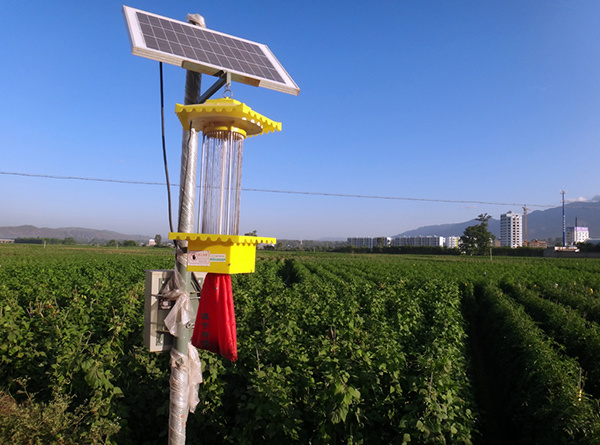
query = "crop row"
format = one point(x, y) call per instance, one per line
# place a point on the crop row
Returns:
point(537, 389)
point(567, 326)
point(365, 362)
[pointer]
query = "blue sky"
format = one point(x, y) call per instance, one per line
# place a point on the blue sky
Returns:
point(490, 101)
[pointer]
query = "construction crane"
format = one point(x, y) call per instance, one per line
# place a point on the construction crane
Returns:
point(525, 224)
point(564, 222)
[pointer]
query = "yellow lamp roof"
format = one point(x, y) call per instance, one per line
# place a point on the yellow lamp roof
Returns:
point(225, 239)
point(225, 112)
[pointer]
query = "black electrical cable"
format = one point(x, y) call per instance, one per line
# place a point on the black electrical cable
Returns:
point(164, 145)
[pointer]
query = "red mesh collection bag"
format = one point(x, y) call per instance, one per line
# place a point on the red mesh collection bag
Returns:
point(214, 329)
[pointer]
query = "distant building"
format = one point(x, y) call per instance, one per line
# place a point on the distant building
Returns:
point(511, 230)
point(370, 242)
point(419, 241)
point(576, 235)
point(536, 243)
point(7, 241)
point(151, 242)
point(358, 241)
point(452, 242)
point(383, 241)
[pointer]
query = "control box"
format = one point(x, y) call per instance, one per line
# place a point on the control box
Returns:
point(156, 335)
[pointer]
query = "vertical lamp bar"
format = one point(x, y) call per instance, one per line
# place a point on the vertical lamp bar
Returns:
point(222, 170)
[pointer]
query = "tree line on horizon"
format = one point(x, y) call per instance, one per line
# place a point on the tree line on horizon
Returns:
point(70, 241)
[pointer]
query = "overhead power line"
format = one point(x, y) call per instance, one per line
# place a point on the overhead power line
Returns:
point(289, 192)
point(80, 178)
point(400, 198)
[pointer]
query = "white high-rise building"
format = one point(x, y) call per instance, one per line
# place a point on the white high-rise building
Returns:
point(511, 230)
point(577, 235)
point(452, 242)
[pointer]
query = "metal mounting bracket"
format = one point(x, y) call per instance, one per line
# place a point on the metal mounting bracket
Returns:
point(224, 79)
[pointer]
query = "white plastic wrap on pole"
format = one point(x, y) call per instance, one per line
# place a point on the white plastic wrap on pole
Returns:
point(182, 312)
point(196, 19)
point(186, 375)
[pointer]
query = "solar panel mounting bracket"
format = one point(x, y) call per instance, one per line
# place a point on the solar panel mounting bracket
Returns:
point(224, 79)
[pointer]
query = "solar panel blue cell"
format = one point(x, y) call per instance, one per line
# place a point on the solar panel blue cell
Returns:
point(212, 58)
point(146, 30)
point(164, 46)
point(235, 65)
point(220, 39)
point(182, 39)
point(178, 27)
point(206, 36)
point(159, 33)
point(201, 54)
point(153, 20)
point(227, 51)
point(177, 49)
point(151, 42)
point(189, 52)
point(166, 24)
point(171, 36)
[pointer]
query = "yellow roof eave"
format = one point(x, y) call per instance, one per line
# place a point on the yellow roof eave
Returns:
point(227, 112)
point(228, 239)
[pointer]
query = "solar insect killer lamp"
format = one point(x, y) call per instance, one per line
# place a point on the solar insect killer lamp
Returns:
point(225, 123)
point(218, 249)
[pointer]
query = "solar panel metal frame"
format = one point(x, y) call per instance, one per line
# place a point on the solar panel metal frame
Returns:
point(139, 47)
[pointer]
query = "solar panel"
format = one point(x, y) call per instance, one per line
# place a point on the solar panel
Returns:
point(205, 51)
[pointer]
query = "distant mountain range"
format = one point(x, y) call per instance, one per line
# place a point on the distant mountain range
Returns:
point(79, 234)
point(541, 224)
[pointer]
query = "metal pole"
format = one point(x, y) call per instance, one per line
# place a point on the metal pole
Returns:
point(178, 411)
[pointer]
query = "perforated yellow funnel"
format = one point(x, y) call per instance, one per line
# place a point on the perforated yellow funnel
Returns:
point(225, 114)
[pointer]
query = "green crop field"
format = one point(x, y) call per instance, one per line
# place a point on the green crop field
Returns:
point(332, 348)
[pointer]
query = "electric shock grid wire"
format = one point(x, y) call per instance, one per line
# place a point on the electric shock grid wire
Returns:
point(187, 159)
point(164, 145)
point(200, 185)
